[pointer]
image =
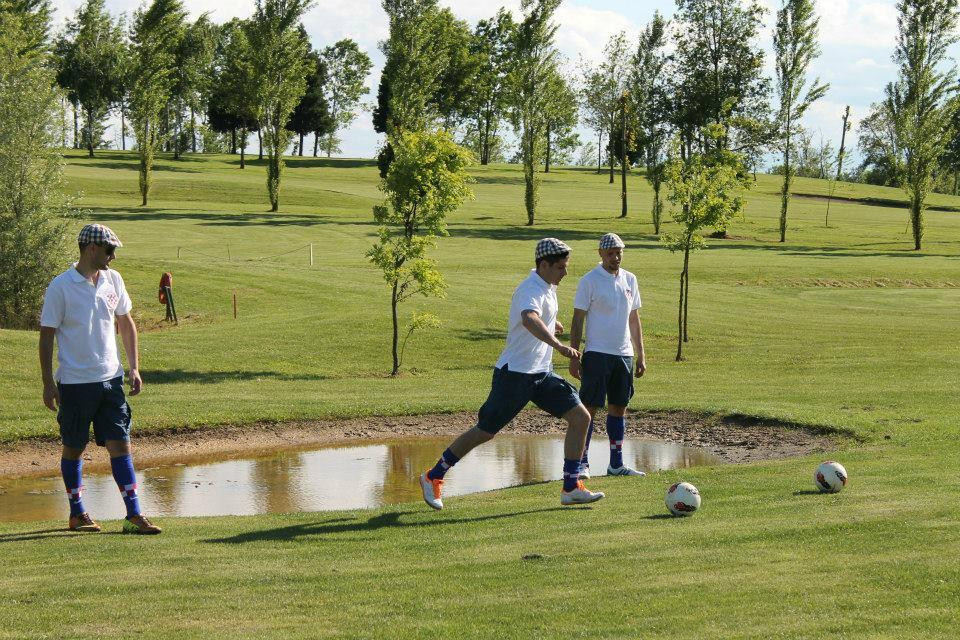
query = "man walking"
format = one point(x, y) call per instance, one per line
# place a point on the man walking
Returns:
point(80, 310)
point(608, 300)
point(524, 373)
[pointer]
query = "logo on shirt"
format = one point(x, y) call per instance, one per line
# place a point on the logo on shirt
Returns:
point(111, 299)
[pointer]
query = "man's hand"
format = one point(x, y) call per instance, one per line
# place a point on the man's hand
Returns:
point(641, 367)
point(51, 397)
point(558, 329)
point(136, 382)
point(569, 352)
point(575, 368)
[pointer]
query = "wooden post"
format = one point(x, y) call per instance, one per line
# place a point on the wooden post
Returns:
point(234, 305)
point(311, 254)
point(178, 253)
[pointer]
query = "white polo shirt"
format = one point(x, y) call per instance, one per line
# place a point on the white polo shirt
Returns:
point(524, 352)
point(83, 315)
point(608, 300)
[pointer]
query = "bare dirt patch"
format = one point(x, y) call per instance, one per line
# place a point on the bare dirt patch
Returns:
point(732, 438)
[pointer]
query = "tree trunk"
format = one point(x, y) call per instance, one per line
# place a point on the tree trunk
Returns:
point(233, 141)
point(657, 204)
point(485, 148)
point(316, 143)
point(123, 126)
point(243, 148)
point(76, 128)
point(610, 152)
point(546, 164)
point(530, 194)
point(785, 191)
point(393, 307)
point(146, 160)
point(599, 151)
point(193, 130)
point(686, 294)
point(259, 145)
point(301, 144)
point(623, 159)
point(916, 219)
point(177, 128)
point(90, 133)
point(680, 310)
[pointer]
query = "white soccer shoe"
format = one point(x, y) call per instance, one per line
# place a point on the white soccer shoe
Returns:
point(579, 495)
point(624, 471)
point(431, 491)
point(585, 471)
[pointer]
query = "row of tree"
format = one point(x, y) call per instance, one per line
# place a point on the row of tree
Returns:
point(184, 83)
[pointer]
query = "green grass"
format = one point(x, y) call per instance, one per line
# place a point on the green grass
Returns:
point(843, 327)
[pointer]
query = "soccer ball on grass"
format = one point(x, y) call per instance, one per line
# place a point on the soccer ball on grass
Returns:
point(830, 477)
point(682, 499)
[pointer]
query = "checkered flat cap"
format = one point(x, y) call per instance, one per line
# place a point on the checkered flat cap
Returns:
point(550, 247)
point(98, 234)
point(611, 241)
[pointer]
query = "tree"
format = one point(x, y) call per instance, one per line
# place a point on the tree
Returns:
point(194, 78)
point(34, 211)
point(426, 182)
point(594, 107)
point(879, 147)
point(490, 45)
point(347, 68)
point(651, 106)
point(612, 83)
point(156, 34)
point(533, 61)
point(841, 154)
point(717, 69)
point(90, 61)
point(281, 66)
point(705, 192)
point(795, 47)
point(233, 99)
point(923, 100)
point(559, 115)
point(312, 114)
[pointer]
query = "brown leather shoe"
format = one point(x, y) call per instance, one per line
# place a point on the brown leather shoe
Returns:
point(140, 525)
point(83, 522)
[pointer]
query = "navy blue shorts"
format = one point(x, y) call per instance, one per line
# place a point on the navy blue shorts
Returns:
point(511, 391)
point(101, 403)
point(604, 376)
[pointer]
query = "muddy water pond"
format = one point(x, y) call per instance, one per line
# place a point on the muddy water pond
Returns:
point(334, 477)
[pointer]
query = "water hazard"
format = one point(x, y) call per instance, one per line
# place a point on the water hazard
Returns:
point(335, 477)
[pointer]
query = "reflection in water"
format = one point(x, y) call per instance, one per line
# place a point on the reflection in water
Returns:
point(340, 477)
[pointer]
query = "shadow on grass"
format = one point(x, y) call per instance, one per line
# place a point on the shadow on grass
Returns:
point(175, 376)
point(172, 167)
point(41, 534)
point(333, 526)
point(661, 516)
point(481, 335)
point(537, 232)
point(874, 202)
point(809, 492)
point(266, 219)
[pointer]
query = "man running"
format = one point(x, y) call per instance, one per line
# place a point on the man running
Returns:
point(524, 373)
point(608, 300)
point(80, 309)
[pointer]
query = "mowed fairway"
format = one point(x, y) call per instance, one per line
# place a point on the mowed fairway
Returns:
point(842, 327)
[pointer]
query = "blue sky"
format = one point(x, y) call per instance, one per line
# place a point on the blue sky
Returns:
point(857, 39)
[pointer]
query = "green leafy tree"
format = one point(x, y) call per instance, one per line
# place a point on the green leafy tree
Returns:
point(194, 79)
point(795, 47)
point(426, 182)
point(347, 68)
point(593, 106)
point(613, 71)
point(717, 69)
point(706, 191)
point(34, 26)
point(312, 113)
point(559, 116)
point(232, 106)
point(280, 65)
point(157, 30)
point(533, 62)
point(491, 46)
point(650, 105)
point(33, 208)
point(923, 100)
point(90, 65)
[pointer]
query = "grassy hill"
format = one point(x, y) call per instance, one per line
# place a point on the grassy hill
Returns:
point(843, 326)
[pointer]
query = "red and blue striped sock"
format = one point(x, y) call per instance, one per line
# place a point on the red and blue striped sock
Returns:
point(126, 479)
point(443, 465)
point(584, 461)
point(571, 474)
point(616, 426)
point(72, 472)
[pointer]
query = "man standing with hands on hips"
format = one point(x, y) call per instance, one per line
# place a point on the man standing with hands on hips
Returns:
point(608, 300)
point(81, 309)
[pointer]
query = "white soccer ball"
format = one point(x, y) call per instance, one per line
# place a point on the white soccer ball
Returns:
point(830, 477)
point(682, 499)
